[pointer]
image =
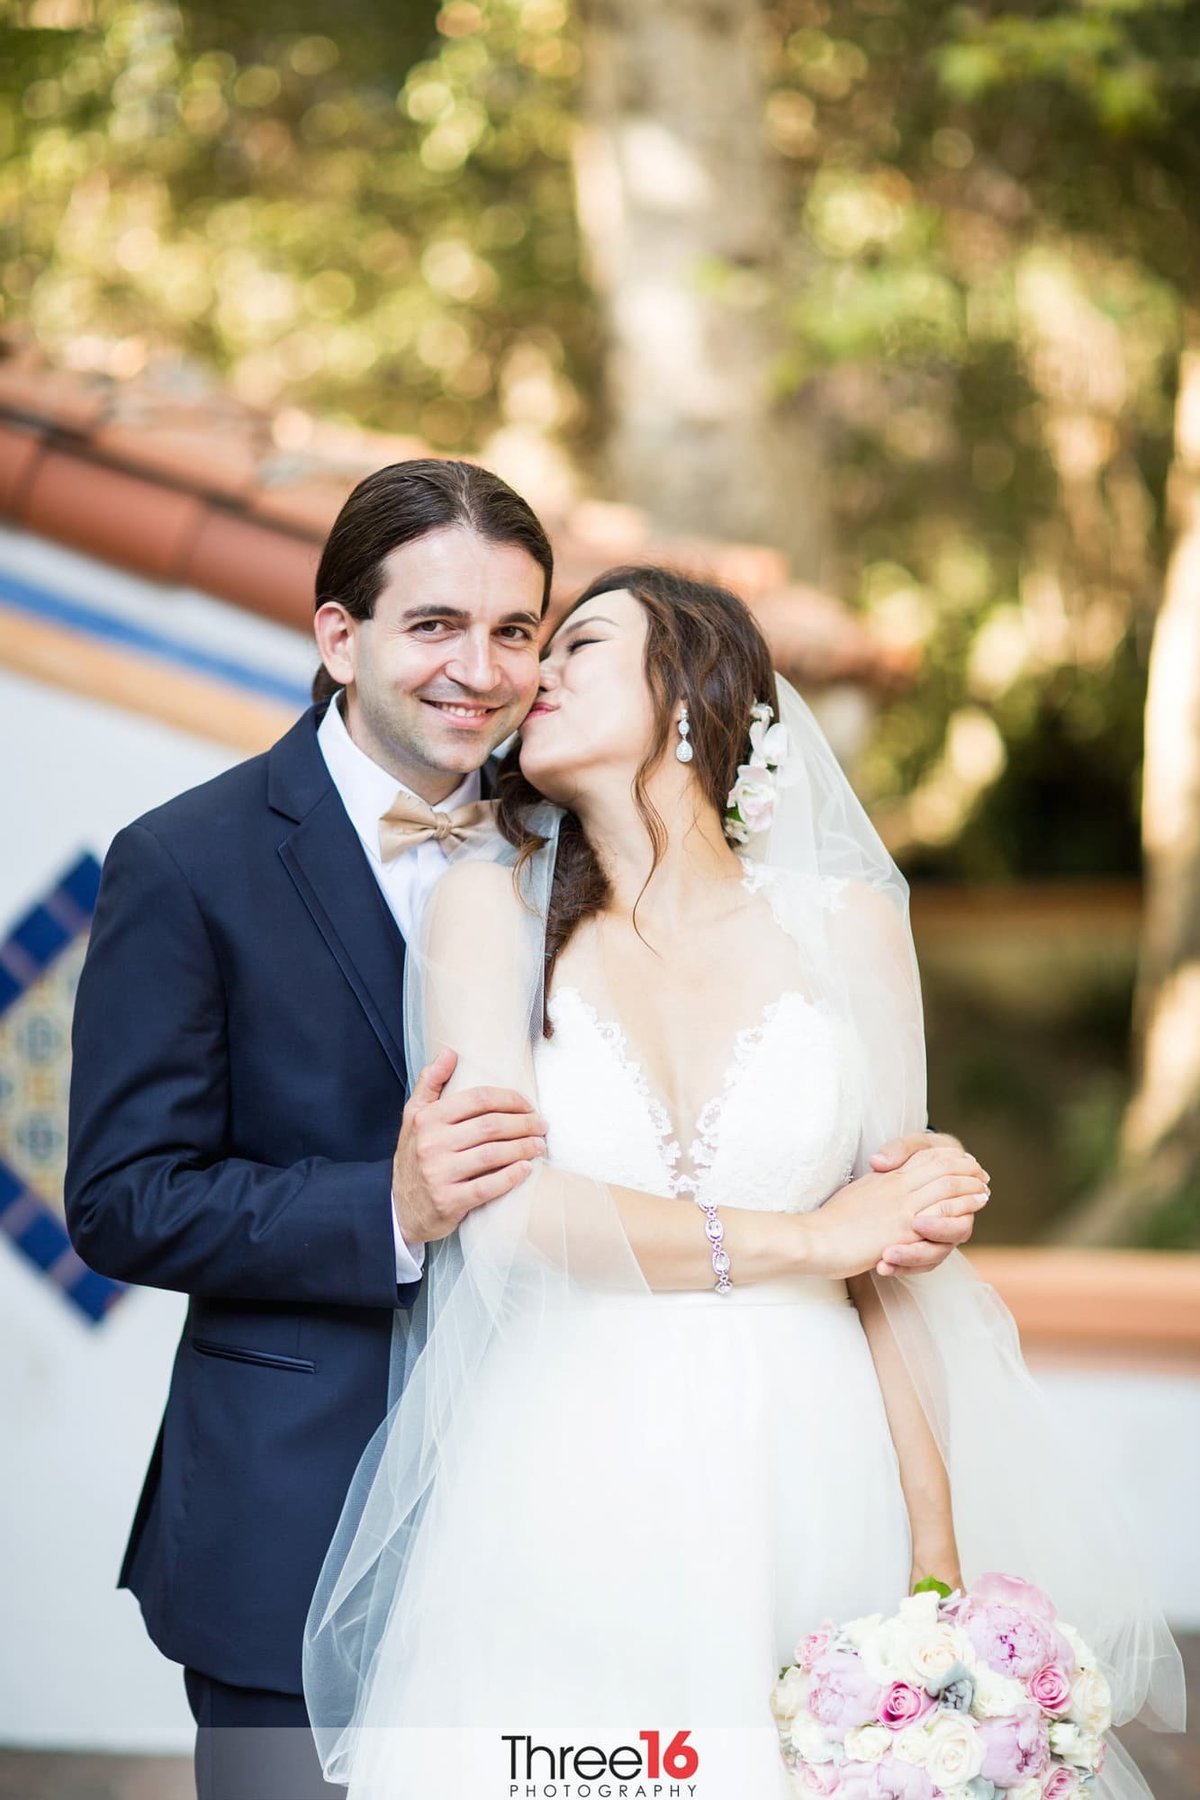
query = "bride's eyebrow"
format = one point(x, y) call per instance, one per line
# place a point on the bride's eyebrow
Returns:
point(583, 624)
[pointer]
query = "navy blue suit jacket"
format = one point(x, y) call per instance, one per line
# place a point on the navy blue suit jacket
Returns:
point(237, 1086)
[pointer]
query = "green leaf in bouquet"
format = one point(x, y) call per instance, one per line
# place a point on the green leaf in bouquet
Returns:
point(931, 1584)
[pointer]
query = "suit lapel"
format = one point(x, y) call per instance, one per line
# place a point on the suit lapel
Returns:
point(333, 878)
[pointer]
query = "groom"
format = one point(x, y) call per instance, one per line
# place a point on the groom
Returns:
point(238, 1128)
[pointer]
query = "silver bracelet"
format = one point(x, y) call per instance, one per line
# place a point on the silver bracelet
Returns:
point(715, 1233)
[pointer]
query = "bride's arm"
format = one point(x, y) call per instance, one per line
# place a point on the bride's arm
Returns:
point(844, 1237)
point(475, 989)
point(923, 1474)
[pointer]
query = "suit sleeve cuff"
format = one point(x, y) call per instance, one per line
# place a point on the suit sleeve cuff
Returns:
point(410, 1259)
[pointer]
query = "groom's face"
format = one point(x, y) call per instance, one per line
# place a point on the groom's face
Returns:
point(447, 666)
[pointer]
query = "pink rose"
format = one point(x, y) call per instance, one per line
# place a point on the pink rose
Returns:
point(1009, 1640)
point(1010, 1590)
point(1062, 1785)
point(1050, 1687)
point(1014, 1749)
point(841, 1694)
point(904, 1704)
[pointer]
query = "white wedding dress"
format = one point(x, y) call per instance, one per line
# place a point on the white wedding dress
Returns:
point(700, 1478)
point(598, 1511)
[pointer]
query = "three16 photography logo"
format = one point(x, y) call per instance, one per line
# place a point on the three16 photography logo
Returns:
point(658, 1765)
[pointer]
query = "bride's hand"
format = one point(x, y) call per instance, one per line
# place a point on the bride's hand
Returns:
point(943, 1564)
point(850, 1232)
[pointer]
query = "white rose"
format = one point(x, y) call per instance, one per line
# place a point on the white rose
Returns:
point(1027, 1790)
point(932, 1652)
point(1080, 1748)
point(919, 1609)
point(912, 1647)
point(912, 1745)
point(1085, 1656)
point(788, 1694)
point(955, 1751)
point(857, 1631)
point(996, 1695)
point(753, 794)
point(809, 1739)
point(1091, 1702)
point(867, 1743)
point(768, 744)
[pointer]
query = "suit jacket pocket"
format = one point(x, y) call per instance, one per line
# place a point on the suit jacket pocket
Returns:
point(264, 1359)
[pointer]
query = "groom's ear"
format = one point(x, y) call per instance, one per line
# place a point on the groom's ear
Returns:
point(333, 629)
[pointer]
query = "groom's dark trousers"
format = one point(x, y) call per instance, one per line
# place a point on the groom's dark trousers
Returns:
point(237, 1085)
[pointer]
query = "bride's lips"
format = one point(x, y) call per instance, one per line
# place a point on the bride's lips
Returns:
point(538, 710)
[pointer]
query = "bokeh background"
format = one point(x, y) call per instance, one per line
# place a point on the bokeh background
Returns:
point(884, 311)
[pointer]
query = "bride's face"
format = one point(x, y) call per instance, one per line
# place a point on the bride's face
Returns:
point(594, 712)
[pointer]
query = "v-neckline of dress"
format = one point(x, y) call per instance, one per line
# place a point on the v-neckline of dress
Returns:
point(705, 1143)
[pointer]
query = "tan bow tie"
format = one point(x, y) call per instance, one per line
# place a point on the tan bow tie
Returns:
point(409, 821)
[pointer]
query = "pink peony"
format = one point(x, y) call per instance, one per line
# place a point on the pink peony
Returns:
point(1014, 1749)
point(1010, 1590)
point(896, 1780)
point(1061, 1785)
point(1009, 1640)
point(1050, 1687)
point(858, 1781)
point(841, 1694)
point(810, 1647)
point(818, 1778)
point(904, 1704)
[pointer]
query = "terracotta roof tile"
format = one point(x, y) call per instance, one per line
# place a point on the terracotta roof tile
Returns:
point(208, 459)
point(112, 514)
point(172, 476)
point(21, 447)
point(266, 571)
point(32, 389)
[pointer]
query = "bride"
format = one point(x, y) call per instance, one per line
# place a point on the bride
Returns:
point(608, 1500)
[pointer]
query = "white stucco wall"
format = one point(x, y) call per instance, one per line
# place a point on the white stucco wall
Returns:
point(79, 1403)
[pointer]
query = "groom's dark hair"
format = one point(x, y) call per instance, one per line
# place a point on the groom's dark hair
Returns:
point(406, 501)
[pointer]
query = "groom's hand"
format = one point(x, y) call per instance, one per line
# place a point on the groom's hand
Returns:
point(942, 1227)
point(458, 1151)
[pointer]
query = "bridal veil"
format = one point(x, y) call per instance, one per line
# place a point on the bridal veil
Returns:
point(1028, 1496)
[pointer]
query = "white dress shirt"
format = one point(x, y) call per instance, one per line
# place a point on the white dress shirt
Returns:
point(366, 792)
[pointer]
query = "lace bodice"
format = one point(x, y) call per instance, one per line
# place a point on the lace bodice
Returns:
point(780, 1134)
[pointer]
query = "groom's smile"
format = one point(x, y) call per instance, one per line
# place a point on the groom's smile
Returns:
point(446, 666)
point(470, 715)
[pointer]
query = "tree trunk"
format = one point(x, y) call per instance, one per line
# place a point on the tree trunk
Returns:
point(1160, 1149)
point(681, 207)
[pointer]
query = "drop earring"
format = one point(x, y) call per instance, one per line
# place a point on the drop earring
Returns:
point(683, 750)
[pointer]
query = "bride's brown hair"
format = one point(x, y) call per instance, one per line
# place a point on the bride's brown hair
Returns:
point(703, 649)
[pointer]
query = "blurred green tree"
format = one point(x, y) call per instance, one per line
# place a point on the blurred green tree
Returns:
point(377, 224)
point(905, 288)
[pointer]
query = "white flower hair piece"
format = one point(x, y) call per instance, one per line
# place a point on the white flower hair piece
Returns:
point(750, 807)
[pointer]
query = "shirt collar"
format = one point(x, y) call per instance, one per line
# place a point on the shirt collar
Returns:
point(366, 789)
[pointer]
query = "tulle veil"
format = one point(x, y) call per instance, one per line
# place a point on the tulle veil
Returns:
point(1025, 1496)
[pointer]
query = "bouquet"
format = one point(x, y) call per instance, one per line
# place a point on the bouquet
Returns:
point(982, 1694)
